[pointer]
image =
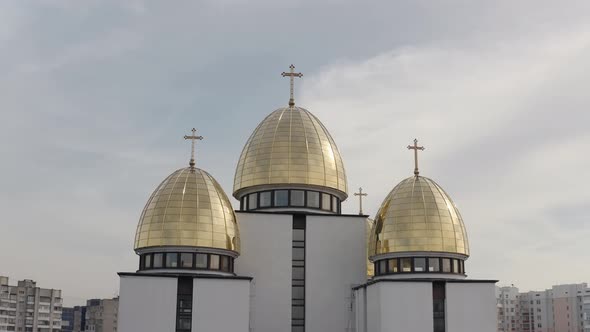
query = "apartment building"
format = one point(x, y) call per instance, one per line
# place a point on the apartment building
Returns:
point(28, 308)
point(563, 308)
point(74, 319)
point(586, 310)
point(102, 315)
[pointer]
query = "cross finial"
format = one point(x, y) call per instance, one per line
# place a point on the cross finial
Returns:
point(360, 194)
point(415, 147)
point(193, 138)
point(292, 74)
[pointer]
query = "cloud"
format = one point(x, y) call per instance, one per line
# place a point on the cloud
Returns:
point(97, 96)
point(504, 128)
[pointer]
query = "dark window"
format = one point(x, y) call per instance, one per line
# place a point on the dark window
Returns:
point(446, 265)
point(147, 261)
point(252, 201)
point(265, 199)
point(383, 267)
point(298, 253)
point(393, 266)
point(406, 264)
point(201, 262)
point(281, 197)
point(420, 264)
point(298, 273)
point(158, 258)
point(298, 292)
point(171, 259)
point(184, 304)
point(298, 312)
point(184, 324)
point(313, 199)
point(297, 197)
point(326, 200)
point(214, 263)
point(186, 260)
point(438, 306)
point(298, 235)
point(224, 261)
point(433, 264)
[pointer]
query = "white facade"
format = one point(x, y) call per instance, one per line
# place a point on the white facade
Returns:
point(221, 305)
point(392, 305)
point(470, 306)
point(149, 303)
point(266, 257)
point(139, 295)
point(335, 261)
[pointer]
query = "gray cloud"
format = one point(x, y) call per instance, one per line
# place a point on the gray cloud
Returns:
point(97, 95)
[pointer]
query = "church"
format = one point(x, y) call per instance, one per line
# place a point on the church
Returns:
point(289, 260)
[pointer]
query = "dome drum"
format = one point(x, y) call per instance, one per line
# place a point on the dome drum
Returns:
point(187, 260)
point(289, 198)
point(424, 266)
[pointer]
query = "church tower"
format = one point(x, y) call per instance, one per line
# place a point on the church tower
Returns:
point(418, 245)
point(302, 251)
point(187, 240)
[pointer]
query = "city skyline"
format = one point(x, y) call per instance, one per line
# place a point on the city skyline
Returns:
point(99, 96)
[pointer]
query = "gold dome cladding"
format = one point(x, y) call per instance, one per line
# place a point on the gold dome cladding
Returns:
point(290, 146)
point(368, 230)
point(189, 208)
point(418, 215)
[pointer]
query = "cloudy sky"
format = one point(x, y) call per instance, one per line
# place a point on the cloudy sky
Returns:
point(95, 97)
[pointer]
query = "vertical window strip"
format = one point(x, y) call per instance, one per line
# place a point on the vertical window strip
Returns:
point(438, 306)
point(298, 274)
point(184, 306)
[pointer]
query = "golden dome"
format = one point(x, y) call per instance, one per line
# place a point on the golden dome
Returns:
point(418, 215)
point(370, 265)
point(189, 208)
point(290, 147)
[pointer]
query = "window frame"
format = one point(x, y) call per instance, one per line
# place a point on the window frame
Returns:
point(165, 256)
point(383, 266)
point(327, 202)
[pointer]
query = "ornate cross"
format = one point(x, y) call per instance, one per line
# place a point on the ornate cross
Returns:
point(415, 147)
point(292, 74)
point(193, 138)
point(360, 194)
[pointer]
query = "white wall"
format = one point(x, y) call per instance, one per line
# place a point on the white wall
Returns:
point(407, 306)
point(471, 307)
point(266, 241)
point(373, 302)
point(396, 307)
point(335, 254)
point(147, 304)
point(221, 305)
